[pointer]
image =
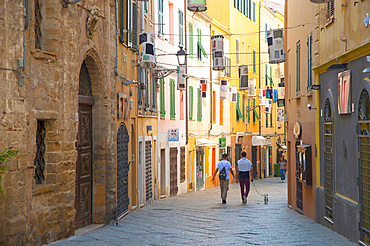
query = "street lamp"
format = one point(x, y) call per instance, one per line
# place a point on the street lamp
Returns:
point(181, 57)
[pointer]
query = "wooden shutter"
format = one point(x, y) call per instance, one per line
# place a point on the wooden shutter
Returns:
point(129, 22)
point(254, 60)
point(221, 111)
point(181, 28)
point(160, 18)
point(134, 27)
point(250, 9)
point(199, 42)
point(298, 68)
point(243, 107)
point(191, 103)
point(249, 110)
point(254, 11)
point(162, 99)
point(146, 81)
point(182, 164)
point(154, 94)
point(254, 111)
point(139, 92)
point(266, 76)
point(191, 40)
point(199, 106)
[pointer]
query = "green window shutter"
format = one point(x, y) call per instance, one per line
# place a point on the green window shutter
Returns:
point(254, 60)
point(243, 107)
point(249, 110)
point(181, 28)
point(162, 99)
point(254, 11)
point(145, 8)
point(266, 74)
point(250, 9)
point(199, 105)
point(191, 103)
point(199, 43)
point(255, 115)
point(173, 99)
point(235, 1)
point(238, 112)
point(154, 94)
point(134, 26)
point(122, 14)
point(191, 40)
point(202, 50)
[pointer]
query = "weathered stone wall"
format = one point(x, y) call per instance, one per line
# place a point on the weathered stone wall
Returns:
point(40, 213)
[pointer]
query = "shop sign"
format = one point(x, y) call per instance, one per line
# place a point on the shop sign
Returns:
point(222, 142)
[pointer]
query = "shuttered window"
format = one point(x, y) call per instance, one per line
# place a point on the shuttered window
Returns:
point(237, 51)
point(182, 164)
point(249, 110)
point(139, 91)
point(154, 94)
point(243, 108)
point(199, 105)
point(227, 66)
point(330, 11)
point(250, 9)
point(309, 61)
point(298, 68)
point(254, 11)
point(38, 28)
point(266, 76)
point(191, 100)
point(254, 60)
point(199, 44)
point(173, 99)
point(221, 112)
point(160, 18)
point(129, 22)
point(181, 28)
point(191, 40)
point(238, 112)
point(134, 33)
point(255, 115)
point(146, 92)
point(267, 119)
point(162, 99)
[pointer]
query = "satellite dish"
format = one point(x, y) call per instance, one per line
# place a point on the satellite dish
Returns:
point(319, 1)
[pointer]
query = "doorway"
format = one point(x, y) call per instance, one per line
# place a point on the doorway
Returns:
point(122, 170)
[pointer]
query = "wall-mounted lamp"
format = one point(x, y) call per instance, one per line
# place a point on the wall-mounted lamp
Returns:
point(129, 82)
point(315, 87)
point(310, 107)
point(337, 66)
point(181, 57)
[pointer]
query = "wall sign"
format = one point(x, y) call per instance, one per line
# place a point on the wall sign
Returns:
point(222, 142)
point(173, 134)
point(297, 130)
point(344, 92)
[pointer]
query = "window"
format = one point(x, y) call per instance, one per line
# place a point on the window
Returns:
point(128, 22)
point(298, 68)
point(181, 28)
point(191, 40)
point(162, 99)
point(221, 112)
point(154, 93)
point(238, 112)
point(250, 9)
point(182, 164)
point(237, 51)
point(249, 110)
point(173, 100)
point(271, 117)
point(39, 161)
point(214, 107)
point(199, 106)
point(139, 90)
point(146, 92)
point(160, 18)
point(265, 32)
point(38, 23)
point(171, 23)
point(200, 49)
point(254, 11)
point(255, 115)
point(254, 60)
point(266, 76)
point(191, 103)
point(309, 61)
point(243, 108)
point(267, 119)
point(146, 8)
point(330, 11)
point(227, 66)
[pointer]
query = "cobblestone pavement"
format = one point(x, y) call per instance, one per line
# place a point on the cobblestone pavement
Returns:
point(199, 218)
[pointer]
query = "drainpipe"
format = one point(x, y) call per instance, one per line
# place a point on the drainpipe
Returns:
point(186, 79)
point(211, 84)
point(259, 79)
point(343, 36)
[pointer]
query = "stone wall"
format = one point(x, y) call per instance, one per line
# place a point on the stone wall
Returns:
point(40, 213)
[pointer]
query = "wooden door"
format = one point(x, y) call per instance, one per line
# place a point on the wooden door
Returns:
point(83, 202)
point(173, 172)
point(163, 172)
point(122, 170)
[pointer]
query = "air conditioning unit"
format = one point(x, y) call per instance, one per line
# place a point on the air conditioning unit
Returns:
point(197, 5)
point(234, 94)
point(147, 50)
point(275, 42)
point(252, 87)
point(217, 42)
point(223, 89)
point(243, 77)
point(181, 78)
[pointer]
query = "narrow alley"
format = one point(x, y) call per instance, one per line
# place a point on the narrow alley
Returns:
point(199, 218)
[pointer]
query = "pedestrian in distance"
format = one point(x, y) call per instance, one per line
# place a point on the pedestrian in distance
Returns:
point(282, 164)
point(244, 171)
point(224, 166)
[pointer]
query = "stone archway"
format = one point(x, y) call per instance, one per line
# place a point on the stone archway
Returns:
point(94, 128)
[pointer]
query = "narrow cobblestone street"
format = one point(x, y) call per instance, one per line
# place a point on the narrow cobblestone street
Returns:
point(199, 218)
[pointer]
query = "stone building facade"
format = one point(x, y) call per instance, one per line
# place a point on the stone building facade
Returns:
point(58, 108)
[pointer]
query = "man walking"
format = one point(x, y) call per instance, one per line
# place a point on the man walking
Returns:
point(224, 166)
point(244, 167)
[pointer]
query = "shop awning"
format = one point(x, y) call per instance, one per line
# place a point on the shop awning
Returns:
point(283, 146)
point(258, 141)
point(203, 142)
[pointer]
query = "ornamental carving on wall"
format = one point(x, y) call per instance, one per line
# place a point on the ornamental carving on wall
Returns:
point(91, 22)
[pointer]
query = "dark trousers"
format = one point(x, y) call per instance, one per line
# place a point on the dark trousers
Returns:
point(244, 183)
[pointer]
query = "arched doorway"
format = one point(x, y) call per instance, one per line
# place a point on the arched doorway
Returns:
point(83, 202)
point(328, 161)
point(122, 169)
point(364, 164)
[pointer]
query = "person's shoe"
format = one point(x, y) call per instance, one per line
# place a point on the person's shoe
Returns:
point(244, 199)
point(223, 201)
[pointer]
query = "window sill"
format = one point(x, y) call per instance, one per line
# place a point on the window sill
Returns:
point(41, 189)
point(44, 55)
point(297, 97)
point(310, 94)
point(329, 22)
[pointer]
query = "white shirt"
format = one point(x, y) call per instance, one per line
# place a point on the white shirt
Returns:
point(244, 165)
point(225, 164)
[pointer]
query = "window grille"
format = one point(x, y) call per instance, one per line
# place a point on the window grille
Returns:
point(39, 161)
point(182, 164)
point(309, 61)
point(330, 11)
point(298, 68)
point(38, 21)
point(328, 161)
